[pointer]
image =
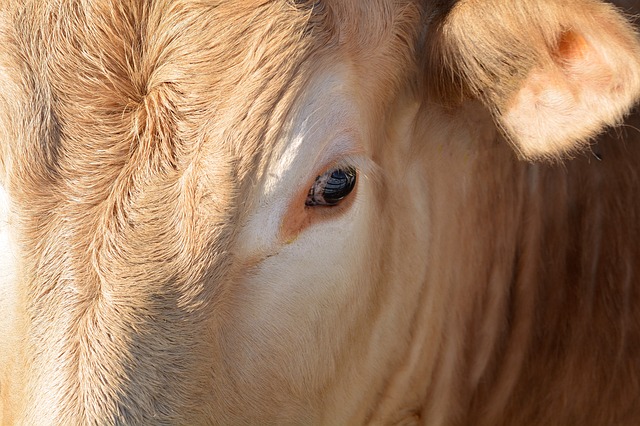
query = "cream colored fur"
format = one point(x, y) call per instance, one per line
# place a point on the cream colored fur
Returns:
point(552, 78)
point(160, 267)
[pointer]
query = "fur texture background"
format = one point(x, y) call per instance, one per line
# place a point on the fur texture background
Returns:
point(134, 135)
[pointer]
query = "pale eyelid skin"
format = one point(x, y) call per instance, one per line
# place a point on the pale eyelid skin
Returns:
point(281, 214)
point(325, 132)
point(298, 216)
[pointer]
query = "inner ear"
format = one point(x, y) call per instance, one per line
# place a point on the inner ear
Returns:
point(579, 59)
point(571, 47)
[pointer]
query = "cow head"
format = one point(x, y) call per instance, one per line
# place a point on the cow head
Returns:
point(271, 211)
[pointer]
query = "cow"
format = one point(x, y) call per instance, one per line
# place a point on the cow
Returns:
point(319, 212)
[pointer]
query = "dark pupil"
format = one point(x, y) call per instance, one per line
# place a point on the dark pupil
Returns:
point(339, 185)
point(331, 187)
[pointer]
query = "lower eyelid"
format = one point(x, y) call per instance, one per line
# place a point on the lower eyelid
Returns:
point(299, 216)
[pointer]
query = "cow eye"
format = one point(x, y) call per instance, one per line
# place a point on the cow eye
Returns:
point(330, 188)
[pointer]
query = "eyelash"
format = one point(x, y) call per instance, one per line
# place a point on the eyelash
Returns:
point(330, 188)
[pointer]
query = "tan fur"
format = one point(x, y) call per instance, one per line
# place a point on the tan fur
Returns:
point(136, 136)
point(517, 58)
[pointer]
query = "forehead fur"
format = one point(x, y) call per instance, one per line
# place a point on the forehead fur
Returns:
point(130, 104)
point(110, 71)
point(125, 103)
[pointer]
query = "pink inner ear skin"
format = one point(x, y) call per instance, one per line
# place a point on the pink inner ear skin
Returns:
point(572, 46)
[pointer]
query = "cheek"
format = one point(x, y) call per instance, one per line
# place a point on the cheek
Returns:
point(321, 265)
point(296, 306)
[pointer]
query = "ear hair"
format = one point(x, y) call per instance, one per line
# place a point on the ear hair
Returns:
point(553, 72)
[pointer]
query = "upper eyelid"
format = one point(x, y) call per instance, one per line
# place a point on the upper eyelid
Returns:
point(365, 166)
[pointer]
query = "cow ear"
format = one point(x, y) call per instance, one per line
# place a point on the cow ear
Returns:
point(553, 72)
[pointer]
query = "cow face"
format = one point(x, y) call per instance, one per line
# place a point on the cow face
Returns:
point(272, 212)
